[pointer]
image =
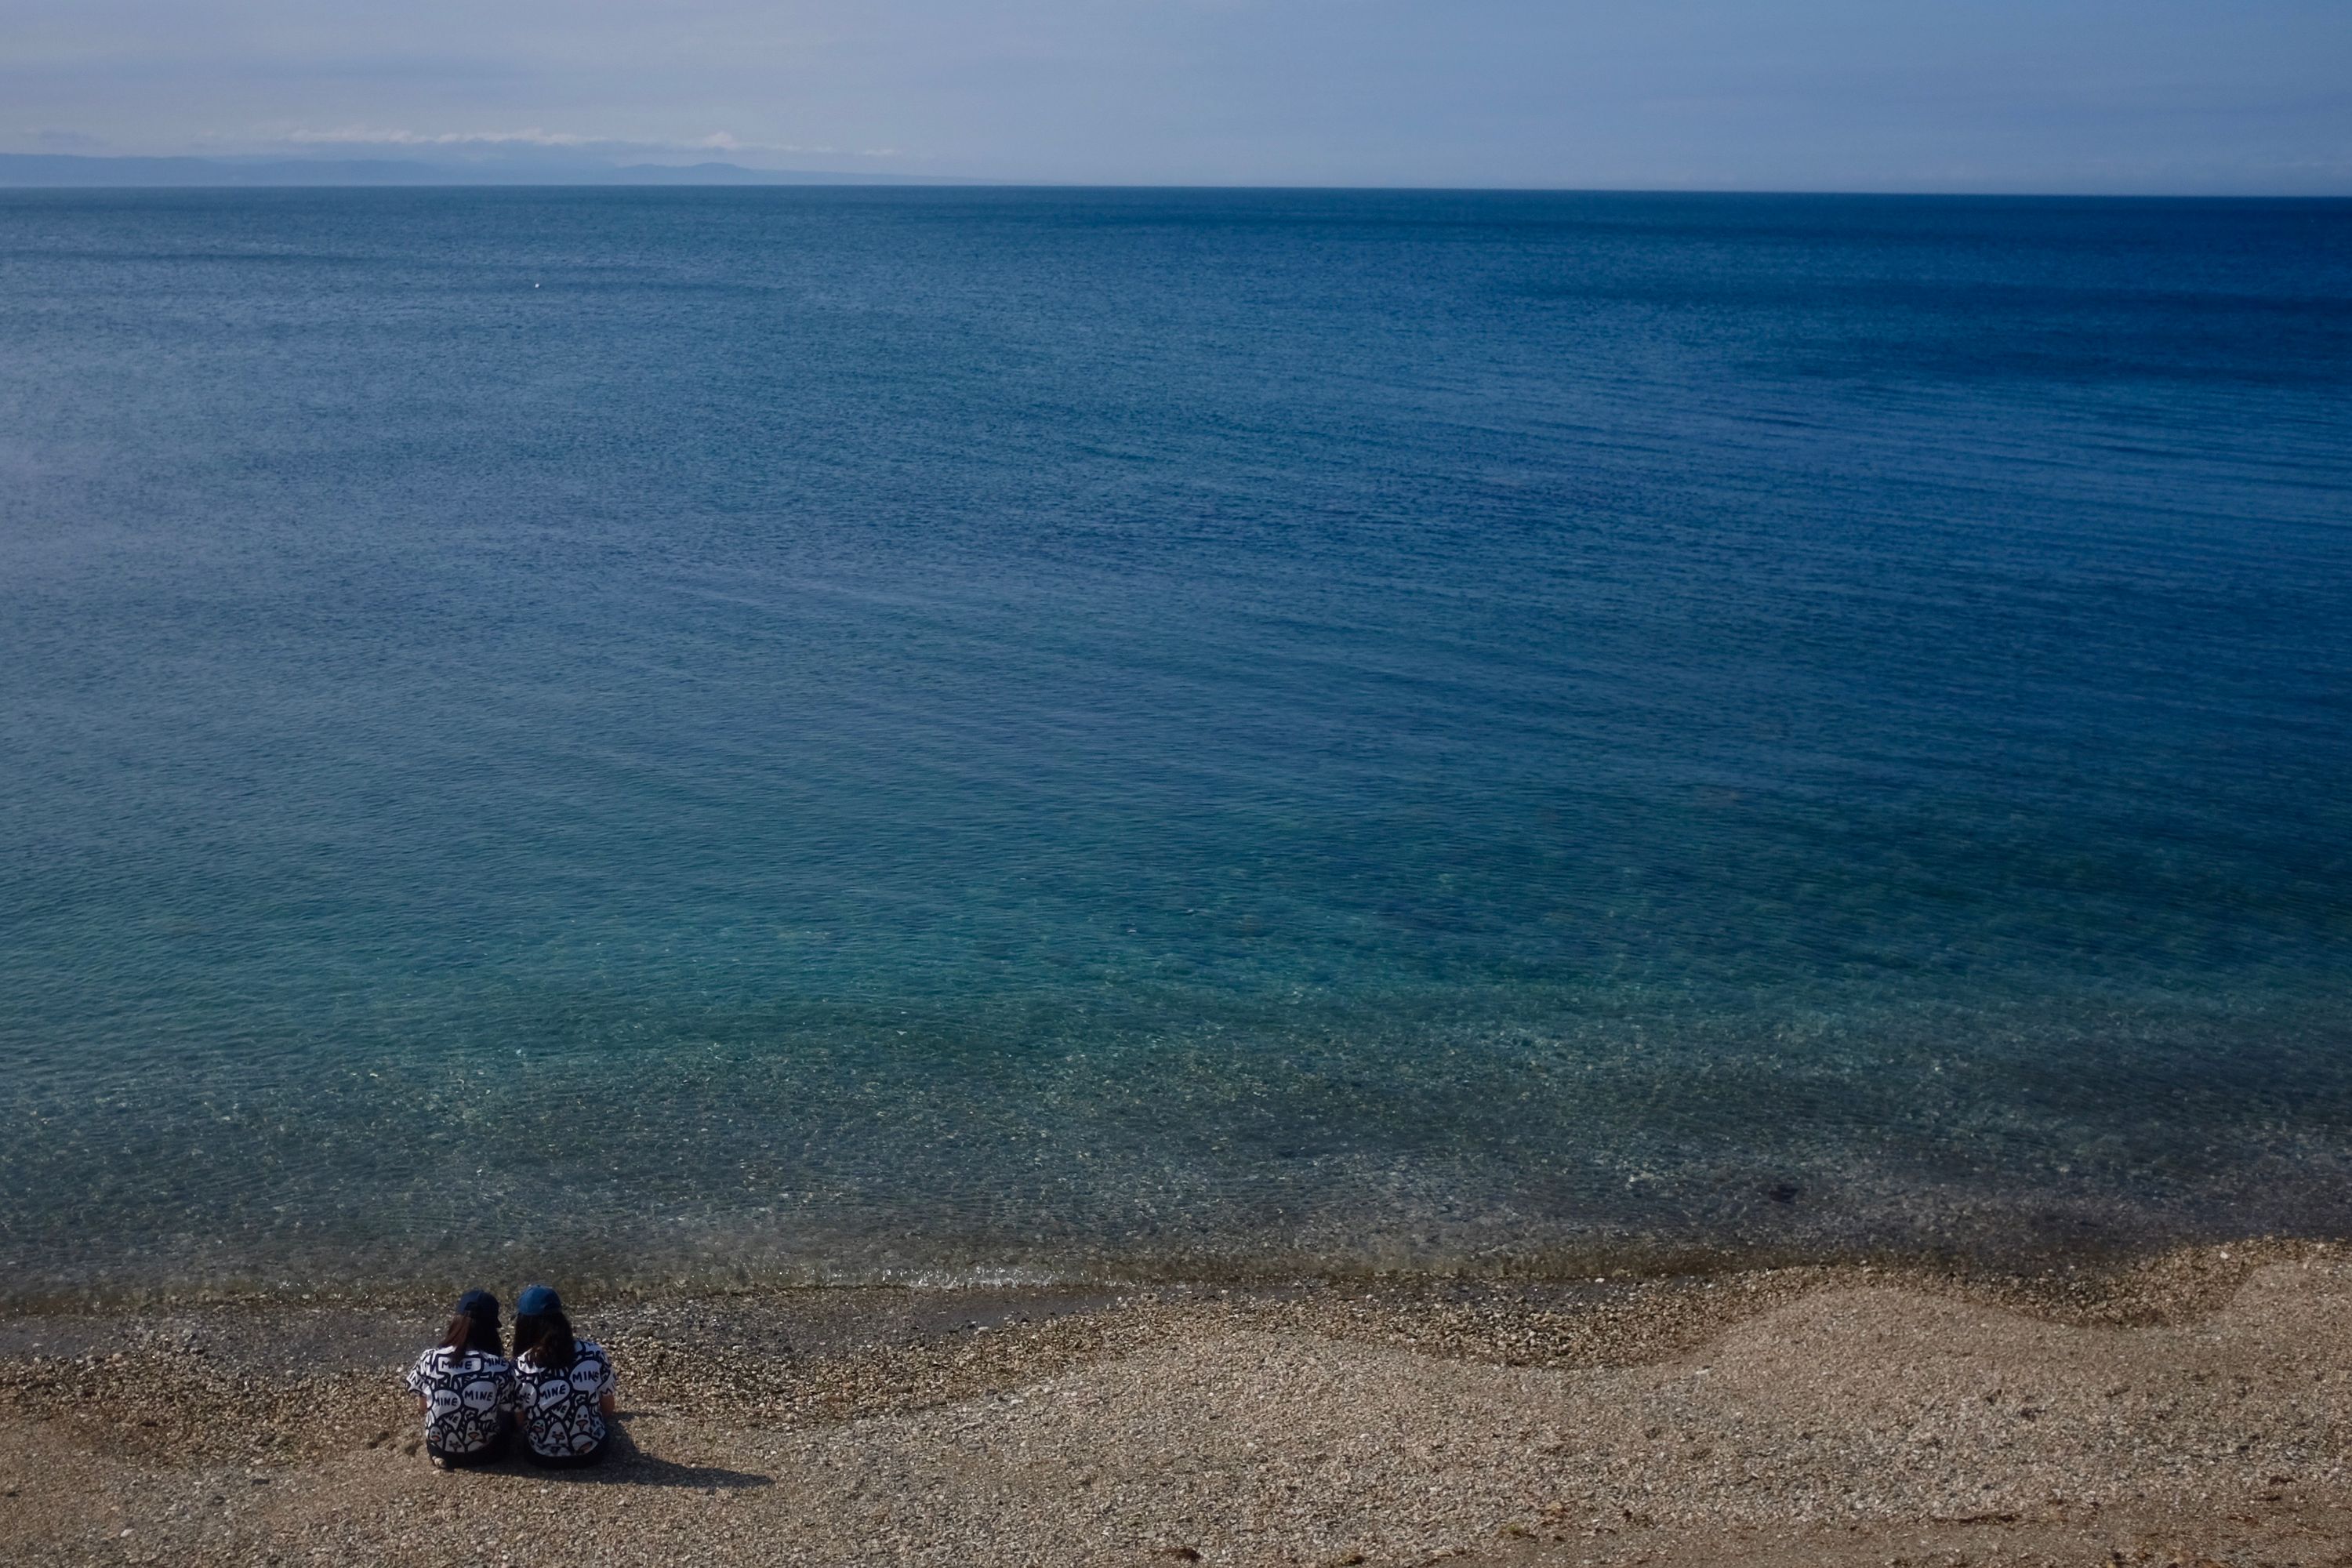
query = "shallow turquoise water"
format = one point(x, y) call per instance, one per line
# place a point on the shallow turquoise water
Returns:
point(850, 734)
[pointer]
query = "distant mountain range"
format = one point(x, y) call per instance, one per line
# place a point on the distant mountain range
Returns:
point(58, 169)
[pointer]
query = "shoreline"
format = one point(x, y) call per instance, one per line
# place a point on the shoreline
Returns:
point(2026, 1273)
point(1534, 1422)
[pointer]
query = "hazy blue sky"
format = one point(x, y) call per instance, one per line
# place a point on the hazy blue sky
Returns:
point(2091, 95)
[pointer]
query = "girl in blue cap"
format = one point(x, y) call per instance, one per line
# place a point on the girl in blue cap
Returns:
point(564, 1386)
point(465, 1386)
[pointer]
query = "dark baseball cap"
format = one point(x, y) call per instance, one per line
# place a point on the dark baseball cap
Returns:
point(479, 1305)
point(537, 1298)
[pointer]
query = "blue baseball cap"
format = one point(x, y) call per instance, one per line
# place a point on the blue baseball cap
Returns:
point(536, 1300)
point(479, 1305)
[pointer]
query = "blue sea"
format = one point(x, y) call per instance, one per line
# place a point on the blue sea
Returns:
point(803, 735)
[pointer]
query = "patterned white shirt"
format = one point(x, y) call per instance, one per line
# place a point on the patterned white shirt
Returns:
point(464, 1392)
point(562, 1412)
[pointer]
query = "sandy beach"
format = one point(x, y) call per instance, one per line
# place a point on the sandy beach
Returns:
point(2187, 1409)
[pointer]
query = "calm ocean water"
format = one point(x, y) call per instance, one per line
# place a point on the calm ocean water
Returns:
point(922, 734)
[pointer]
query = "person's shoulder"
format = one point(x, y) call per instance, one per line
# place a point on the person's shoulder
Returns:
point(589, 1350)
point(432, 1359)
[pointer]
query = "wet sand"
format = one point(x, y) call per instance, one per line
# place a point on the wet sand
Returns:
point(2187, 1409)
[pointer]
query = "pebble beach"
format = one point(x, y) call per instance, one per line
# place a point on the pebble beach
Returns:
point(2187, 1409)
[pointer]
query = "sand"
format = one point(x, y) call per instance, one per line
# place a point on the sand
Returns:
point(2191, 1409)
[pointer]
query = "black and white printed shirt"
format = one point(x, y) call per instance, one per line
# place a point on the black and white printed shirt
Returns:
point(562, 1412)
point(465, 1394)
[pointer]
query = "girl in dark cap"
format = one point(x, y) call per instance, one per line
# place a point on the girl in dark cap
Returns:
point(564, 1386)
point(465, 1386)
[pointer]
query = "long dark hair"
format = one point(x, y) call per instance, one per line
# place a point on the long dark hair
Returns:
point(546, 1338)
point(467, 1332)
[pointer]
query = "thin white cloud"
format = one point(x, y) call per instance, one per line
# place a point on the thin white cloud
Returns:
point(371, 136)
point(535, 136)
point(55, 139)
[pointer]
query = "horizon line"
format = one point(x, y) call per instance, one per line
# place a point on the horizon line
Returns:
point(287, 174)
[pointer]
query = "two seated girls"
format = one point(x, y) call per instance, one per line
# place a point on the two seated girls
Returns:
point(556, 1390)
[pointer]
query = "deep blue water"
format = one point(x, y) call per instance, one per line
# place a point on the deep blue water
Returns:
point(837, 735)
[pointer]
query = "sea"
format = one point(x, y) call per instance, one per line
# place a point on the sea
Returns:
point(698, 739)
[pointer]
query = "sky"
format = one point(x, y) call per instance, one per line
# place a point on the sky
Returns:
point(2099, 96)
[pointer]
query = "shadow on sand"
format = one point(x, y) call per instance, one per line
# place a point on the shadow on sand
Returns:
point(626, 1465)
